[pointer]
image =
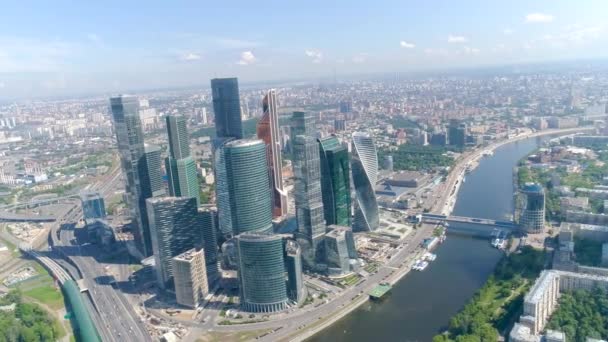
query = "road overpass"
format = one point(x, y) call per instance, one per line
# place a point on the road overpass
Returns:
point(14, 217)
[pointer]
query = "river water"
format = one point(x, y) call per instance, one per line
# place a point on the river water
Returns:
point(420, 305)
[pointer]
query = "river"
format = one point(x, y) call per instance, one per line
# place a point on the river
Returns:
point(420, 305)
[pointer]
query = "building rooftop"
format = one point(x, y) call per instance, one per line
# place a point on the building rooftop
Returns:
point(244, 142)
point(187, 255)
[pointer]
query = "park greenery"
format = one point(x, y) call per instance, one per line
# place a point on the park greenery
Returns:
point(28, 322)
point(582, 314)
point(416, 157)
point(498, 303)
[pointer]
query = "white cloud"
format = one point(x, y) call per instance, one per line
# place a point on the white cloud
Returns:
point(20, 54)
point(247, 58)
point(507, 31)
point(190, 56)
point(316, 55)
point(2, 85)
point(360, 58)
point(539, 18)
point(457, 39)
point(436, 52)
point(407, 45)
point(470, 51)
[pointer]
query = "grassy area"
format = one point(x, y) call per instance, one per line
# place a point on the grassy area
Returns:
point(49, 295)
point(350, 280)
point(12, 248)
point(497, 304)
point(413, 157)
point(237, 336)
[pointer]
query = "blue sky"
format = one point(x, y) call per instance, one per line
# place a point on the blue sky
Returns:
point(63, 47)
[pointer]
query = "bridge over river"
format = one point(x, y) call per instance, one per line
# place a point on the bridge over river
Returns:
point(472, 225)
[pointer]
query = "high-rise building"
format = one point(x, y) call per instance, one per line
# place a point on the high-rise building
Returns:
point(302, 123)
point(151, 185)
point(227, 108)
point(340, 249)
point(190, 277)
point(457, 133)
point(532, 218)
point(307, 190)
point(208, 220)
point(130, 141)
point(335, 181)
point(296, 291)
point(261, 272)
point(249, 193)
point(228, 126)
point(268, 131)
point(180, 166)
point(174, 228)
point(93, 206)
point(365, 175)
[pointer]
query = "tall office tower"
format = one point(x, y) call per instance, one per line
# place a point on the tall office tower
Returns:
point(228, 126)
point(457, 133)
point(296, 291)
point(151, 185)
point(346, 106)
point(261, 272)
point(208, 221)
point(339, 246)
point(249, 193)
point(227, 108)
point(190, 278)
point(335, 181)
point(180, 166)
point(268, 131)
point(307, 191)
point(175, 228)
point(532, 218)
point(302, 123)
point(130, 140)
point(365, 174)
point(93, 206)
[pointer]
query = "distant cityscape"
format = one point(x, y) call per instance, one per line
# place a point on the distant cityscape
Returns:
point(273, 213)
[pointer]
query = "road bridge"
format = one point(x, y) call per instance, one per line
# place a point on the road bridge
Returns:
point(482, 225)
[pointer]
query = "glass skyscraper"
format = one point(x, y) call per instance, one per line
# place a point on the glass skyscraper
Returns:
point(268, 131)
point(93, 206)
point(248, 183)
point(307, 189)
point(365, 175)
point(175, 228)
point(335, 181)
point(532, 217)
point(181, 168)
point(296, 291)
point(208, 220)
point(227, 107)
point(263, 287)
point(151, 184)
point(130, 141)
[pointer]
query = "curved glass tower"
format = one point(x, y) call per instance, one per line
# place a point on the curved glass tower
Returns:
point(248, 183)
point(532, 217)
point(262, 272)
point(365, 174)
point(335, 181)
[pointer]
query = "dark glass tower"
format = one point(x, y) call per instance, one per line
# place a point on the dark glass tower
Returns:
point(335, 181)
point(151, 183)
point(227, 107)
point(181, 168)
point(130, 141)
point(208, 220)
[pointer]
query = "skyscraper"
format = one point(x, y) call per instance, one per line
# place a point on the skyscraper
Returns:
point(93, 206)
point(339, 246)
point(181, 168)
point(365, 173)
point(268, 131)
point(174, 228)
point(335, 181)
point(130, 141)
point(228, 126)
point(227, 108)
point(190, 278)
point(296, 291)
point(307, 190)
point(261, 272)
point(248, 183)
point(208, 220)
point(151, 185)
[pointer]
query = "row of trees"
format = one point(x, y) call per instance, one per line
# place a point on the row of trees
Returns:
point(27, 323)
point(413, 157)
point(498, 302)
point(582, 314)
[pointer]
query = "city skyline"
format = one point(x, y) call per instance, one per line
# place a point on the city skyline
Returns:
point(52, 58)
